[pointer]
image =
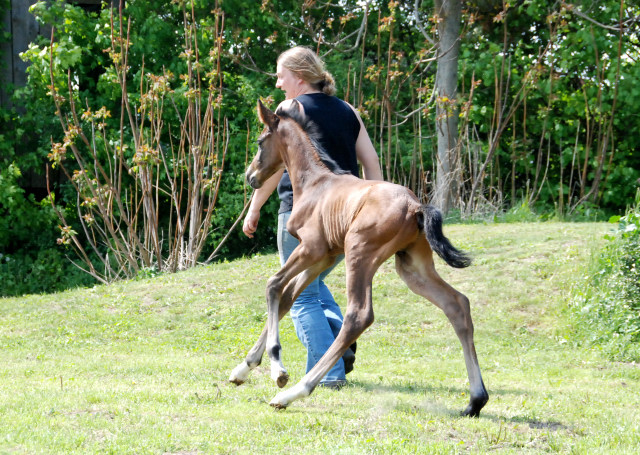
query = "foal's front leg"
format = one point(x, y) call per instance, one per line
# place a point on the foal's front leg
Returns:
point(274, 349)
point(240, 373)
point(279, 301)
point(254, 358)
point(291, 291)
point(358, 317)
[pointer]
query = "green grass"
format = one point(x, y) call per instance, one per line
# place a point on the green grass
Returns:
point(142, 366)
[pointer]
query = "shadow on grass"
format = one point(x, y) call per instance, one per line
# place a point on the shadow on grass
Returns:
point(426, 389)
point(534, 424)
point(427, 405)
point(443, 391)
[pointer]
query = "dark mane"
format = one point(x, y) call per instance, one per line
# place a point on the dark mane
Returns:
point(313, 133)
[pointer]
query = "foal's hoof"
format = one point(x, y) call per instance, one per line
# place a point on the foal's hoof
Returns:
point(474, 407)
point(279, 375)
point(470, 412)
point(236, 381)
point(278, 406)
point(282, 379)
point(286, 397)
point(280, 401)
point(240, 373)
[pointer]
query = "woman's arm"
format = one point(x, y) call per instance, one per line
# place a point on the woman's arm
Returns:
point(366, 153)
point(260, 196)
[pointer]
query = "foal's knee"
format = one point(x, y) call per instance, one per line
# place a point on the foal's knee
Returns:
point(274, 288)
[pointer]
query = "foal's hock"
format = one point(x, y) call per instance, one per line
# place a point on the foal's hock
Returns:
point(368, 221)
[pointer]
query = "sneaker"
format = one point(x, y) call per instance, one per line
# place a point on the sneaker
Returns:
point(334, 385)
point(349, 358)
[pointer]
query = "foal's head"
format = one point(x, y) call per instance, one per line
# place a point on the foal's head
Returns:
point(273, 141)
point(268, 160)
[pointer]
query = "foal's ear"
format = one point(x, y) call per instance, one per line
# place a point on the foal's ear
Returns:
point(296, 106)
point(267, 117)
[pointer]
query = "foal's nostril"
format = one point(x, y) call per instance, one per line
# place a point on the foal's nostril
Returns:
point(252, 180)
point(248, 173)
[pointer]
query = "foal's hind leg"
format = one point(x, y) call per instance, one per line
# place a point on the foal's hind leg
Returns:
point(415, 266)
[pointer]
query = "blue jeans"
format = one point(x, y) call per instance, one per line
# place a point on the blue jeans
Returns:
point(316, 315)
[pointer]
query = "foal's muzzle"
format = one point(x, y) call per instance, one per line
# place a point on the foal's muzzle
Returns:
point(252, 179)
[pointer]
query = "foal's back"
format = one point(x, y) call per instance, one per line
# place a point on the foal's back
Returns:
point(352, 211)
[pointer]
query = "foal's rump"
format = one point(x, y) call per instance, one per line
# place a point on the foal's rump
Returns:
point(378, 210)
point(392, 212)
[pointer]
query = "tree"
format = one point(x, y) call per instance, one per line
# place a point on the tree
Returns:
point(448, 15)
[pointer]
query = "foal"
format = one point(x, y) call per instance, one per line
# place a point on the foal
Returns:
point(368, 221)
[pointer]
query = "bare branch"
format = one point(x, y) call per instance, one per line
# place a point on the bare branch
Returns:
point(222, 242)
point(363, 26)
point(416, 7)
point(622, 25)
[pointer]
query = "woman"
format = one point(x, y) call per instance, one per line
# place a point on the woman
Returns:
point(301, 75)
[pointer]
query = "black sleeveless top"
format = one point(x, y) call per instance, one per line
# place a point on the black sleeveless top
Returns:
point(338, 127)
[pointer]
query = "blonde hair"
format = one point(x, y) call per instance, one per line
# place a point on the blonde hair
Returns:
point(305, 64)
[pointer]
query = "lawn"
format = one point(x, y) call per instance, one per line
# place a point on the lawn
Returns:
point(142, 366)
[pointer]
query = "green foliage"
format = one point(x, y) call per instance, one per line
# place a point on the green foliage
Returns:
point(156, 45)
point(606, 304)
point(519, 214)
point(570, 141)
point(30, 263)
point(31, 259)
point(573, 101)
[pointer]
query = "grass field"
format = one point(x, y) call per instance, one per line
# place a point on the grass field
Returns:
point(142, 366)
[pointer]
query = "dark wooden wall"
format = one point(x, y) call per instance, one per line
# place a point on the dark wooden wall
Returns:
point(23, 29)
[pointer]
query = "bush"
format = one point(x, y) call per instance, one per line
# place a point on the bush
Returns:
point(30, 259)
point(606, 306)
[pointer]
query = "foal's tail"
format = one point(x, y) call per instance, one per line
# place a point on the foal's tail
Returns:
point(430, 222)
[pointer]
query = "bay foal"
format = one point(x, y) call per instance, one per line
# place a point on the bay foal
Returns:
point(368, 221)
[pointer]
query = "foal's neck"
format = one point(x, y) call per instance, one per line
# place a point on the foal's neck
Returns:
point(303, 161)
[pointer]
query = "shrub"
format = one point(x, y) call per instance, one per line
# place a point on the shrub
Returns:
point(30, 263)
point(606, 305)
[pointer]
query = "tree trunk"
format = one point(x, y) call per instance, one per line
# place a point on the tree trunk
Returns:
point(447, 170)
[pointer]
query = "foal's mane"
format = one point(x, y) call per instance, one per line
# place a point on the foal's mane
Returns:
point(312, 131)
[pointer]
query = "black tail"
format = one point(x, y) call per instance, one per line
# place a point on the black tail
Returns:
point(430, 221)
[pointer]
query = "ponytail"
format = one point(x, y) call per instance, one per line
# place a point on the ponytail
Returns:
point(327, 85)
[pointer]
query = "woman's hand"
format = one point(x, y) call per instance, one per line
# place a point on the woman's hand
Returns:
point(250, 224)
point(258, 199)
